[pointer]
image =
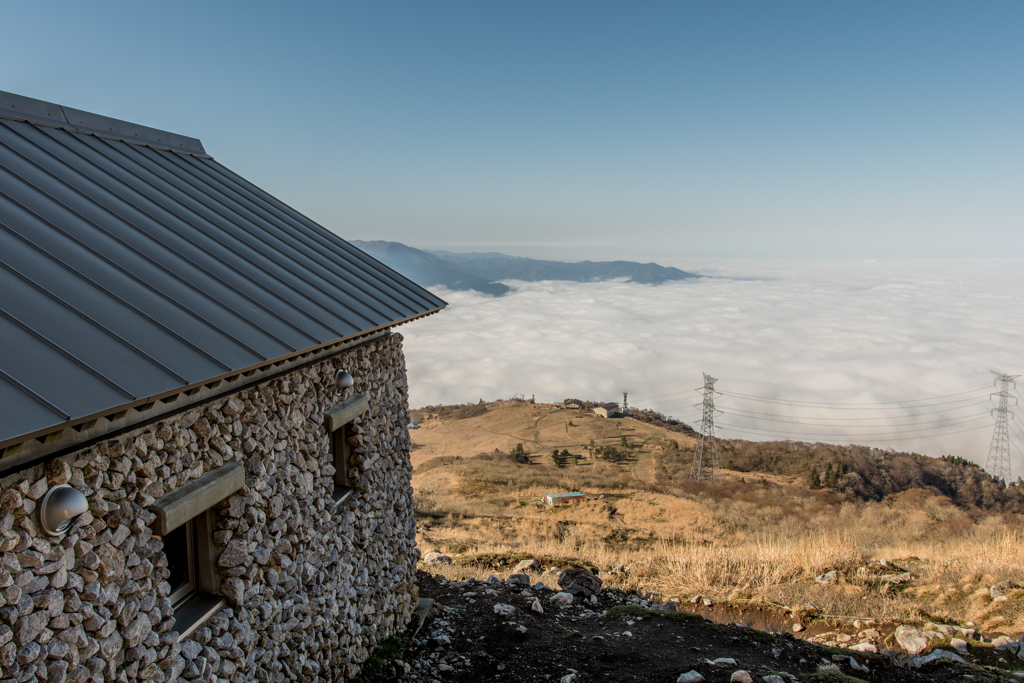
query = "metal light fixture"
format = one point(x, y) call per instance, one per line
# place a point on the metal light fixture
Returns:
point(343, 380)
point(60, 506)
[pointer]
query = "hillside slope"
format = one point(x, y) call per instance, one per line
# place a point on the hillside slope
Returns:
point(762, 535)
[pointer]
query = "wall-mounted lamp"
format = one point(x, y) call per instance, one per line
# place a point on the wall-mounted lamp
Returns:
point(60, 506)
point(343, 380)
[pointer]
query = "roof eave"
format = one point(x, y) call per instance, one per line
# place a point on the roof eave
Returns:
point(27, 449)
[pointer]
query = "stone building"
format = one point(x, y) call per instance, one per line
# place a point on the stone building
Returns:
point(205, 470)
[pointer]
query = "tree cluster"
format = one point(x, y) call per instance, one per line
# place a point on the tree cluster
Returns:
point(872, 474)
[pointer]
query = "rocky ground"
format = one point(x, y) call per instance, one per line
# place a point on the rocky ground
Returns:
point(520, 630)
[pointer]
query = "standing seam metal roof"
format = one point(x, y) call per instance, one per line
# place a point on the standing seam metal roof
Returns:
point(132, 264)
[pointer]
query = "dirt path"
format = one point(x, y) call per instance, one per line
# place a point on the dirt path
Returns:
point(488, 631)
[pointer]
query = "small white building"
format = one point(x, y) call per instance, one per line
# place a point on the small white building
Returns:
point(606, 410)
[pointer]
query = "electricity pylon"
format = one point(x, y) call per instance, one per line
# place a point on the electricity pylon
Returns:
point(705, 458)
point(625, 406)
point(999, 451)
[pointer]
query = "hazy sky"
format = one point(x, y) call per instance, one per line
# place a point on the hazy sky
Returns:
point(733, 128)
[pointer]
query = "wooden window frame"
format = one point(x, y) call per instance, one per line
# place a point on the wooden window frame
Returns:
point(341, 451)
point(339, 421)
point(191, 506)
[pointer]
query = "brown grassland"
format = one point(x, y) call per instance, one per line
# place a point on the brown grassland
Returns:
point(758, 536)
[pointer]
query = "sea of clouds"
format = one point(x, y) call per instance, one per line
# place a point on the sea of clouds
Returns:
point(893, 342)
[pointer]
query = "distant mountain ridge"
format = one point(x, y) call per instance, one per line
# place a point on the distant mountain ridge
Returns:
point(481, 272)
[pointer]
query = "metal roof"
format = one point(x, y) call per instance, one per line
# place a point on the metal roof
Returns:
point(132, 265)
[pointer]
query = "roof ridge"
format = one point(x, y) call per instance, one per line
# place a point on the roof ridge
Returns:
point(21, 108)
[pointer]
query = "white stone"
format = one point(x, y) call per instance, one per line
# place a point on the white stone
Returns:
point(436, 558)
point(864, 647)
point(722, 661)
point(690, 677)
point(857, 666)
point(934, 655)
point(564, 599)
point(911, 639)
point(501, 609)
point(828, 578)
point(959, 644)
point(741, 676)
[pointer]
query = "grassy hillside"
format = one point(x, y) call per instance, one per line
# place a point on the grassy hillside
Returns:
point(762, 535)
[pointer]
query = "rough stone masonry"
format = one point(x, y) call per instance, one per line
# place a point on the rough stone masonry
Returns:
point(311, 589)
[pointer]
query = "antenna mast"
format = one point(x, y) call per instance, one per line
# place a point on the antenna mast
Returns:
point(999, 451)
point(705, 458)
point(625, 406)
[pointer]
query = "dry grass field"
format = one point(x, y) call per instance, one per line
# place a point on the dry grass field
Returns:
point(754, 538)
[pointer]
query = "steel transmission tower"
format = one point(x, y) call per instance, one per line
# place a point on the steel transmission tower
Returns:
point(625, 406)
point(705, 459)
point(999, 451)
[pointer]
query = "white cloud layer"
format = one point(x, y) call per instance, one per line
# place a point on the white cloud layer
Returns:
point(852, 332)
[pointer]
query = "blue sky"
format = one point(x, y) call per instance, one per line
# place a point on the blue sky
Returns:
point(579, 129)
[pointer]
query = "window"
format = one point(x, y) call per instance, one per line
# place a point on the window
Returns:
point(342, 451)
point(185, 521)
point(179, 546)
point(339, 422)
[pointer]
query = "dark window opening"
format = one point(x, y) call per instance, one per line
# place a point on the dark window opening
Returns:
point(342, 451)
point(180, 547)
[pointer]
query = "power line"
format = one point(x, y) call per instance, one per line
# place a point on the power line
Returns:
point(831, 437)
point(953, 420)
point(871, 403)
point(643, 399)
point(897, 405)
point(904, 431)
point(856, 419)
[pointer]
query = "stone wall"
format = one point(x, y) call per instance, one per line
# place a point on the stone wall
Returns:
point(310, 592)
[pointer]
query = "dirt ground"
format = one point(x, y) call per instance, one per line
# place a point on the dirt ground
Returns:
point(488, 631)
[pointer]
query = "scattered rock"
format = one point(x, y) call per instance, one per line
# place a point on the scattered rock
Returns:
point(863, 647)
point(1001, 589)
point(797, 627)
point(519, 580)
point(772, 678)
point(721, 661)
point(564, 599)
point(933, 656)
point(436, 558)
point(896, 578)
point(857, 666)
point(579, 581)
point(911, 639)
point(740, 676)
point(501, 609)
point(707, 602)
point(828, 578)
point(526, 566)
point(537, 607)
point(690, 677)
point(1005, 643)
point(959, 644)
